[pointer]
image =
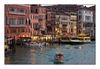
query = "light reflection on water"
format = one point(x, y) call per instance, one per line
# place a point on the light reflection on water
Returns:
point(73, 54)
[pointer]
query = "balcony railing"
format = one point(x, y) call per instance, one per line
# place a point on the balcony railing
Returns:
point(18, 13)
point(17, 25)
point(40, 19)
point(64, 24)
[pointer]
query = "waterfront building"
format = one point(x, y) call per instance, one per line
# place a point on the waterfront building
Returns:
point(92, 8)
point(73, 23)
point(37, 20)
point(16, 20)
point(70, 10)
point(62, 23)
point(85, 21)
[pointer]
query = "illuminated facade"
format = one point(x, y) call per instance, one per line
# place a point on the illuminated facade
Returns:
point(85, 21)
point(69, 11)
point(17, 20)
point(38, 20)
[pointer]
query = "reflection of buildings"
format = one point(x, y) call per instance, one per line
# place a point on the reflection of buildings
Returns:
point(37, 17)
point(16, 20)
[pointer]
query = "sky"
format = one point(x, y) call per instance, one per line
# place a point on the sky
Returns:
point(88, 5)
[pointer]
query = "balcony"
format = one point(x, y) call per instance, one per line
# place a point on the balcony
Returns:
point(40, 19)
point(18, 13)
point(17, 25)
point(64, 24)
point(64, 30)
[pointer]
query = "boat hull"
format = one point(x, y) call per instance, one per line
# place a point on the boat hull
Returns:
point(74, 42)
point(59, 59)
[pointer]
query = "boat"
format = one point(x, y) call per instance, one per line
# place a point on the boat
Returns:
point(37, 44)
point(34, 44)
point(44, 44)
point(59, 58)
point(75, 40)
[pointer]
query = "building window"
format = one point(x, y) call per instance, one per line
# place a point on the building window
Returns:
point(21, 10)
point(35, 17)
point(13, 30)
point(22, 30)
point(12, 21)
point(7, 20)
point(80, 17)
point(87, 17)
point(20, 21)
point(12, 9)
point(40, 17)
point(71, 30)
point(60, 9)
point(79, 12)
point(64, 18)
point(49, 29)
point(36, 26)
point(31, 25)
point(52, 22)
point(48, 15)
point(72, 8)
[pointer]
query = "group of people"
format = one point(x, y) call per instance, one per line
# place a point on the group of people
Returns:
point(11, 43)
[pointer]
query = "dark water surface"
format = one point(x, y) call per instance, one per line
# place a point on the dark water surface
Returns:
point(73, 54)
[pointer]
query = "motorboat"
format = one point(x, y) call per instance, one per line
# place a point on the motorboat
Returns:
point(37, 44)
point(45, 44)
point(59, 58)
point(75, 40)
point(33, 44)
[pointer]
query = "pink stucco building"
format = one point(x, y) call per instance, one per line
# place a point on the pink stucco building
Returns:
point(37, 20)
point(16, 20)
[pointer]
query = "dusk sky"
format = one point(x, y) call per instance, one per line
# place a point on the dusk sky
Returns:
point(78, 4)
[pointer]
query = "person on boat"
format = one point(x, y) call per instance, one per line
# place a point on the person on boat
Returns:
point(59, 56)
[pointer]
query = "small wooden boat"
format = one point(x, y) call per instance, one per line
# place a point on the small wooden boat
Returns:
point(59, 58)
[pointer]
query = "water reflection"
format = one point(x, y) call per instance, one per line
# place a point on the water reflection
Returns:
point(8, 60)
point(33, 58)
point(73, 54)
point(74, 47)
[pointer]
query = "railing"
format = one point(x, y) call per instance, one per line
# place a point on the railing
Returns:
point(19, 13)
point(17, 25)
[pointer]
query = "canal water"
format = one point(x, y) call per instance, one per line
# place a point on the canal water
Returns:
point(73, 54)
